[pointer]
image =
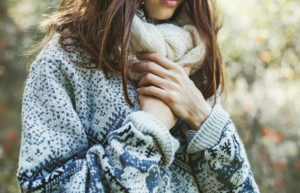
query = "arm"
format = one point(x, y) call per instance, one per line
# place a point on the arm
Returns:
point(218, 156)
point(57, 155)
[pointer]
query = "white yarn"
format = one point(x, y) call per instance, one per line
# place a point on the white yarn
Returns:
point(179, 41)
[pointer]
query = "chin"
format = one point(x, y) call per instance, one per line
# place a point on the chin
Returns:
point(163, 17)
point(160, 9)
point(163, 13)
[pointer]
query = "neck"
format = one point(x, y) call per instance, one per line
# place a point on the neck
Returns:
point(154, 21)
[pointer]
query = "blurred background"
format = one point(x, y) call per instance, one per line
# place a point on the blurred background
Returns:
point(260, 41)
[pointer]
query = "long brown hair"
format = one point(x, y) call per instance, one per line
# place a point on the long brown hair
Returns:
point(102, 27)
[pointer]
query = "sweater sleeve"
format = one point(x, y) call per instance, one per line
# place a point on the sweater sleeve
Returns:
point(217, 155)
point(57, 155)
point(190, 134)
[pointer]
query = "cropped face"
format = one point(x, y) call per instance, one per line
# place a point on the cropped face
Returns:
point(160, 9)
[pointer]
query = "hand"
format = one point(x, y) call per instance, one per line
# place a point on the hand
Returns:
point(158, 109)
point(171, 83)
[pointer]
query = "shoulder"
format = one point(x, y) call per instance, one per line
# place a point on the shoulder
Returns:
point(52, 50)
point(50, 57)
point(53, 59)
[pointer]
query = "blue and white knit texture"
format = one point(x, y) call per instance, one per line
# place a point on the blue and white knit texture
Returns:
point(80, 135)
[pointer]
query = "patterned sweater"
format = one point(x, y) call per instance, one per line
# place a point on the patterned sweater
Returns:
point(80, 135)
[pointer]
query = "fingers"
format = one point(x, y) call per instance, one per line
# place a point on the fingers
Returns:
point(153, 91)
point(151, 79)
point(152, 67)
point(158, 58)
point(160, 65)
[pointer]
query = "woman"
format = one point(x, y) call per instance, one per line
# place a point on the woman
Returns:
point(109, 105)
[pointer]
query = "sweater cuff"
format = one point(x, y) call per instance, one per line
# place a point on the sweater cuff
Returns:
point(147, 124)
point(189, 133)
point(210, 131)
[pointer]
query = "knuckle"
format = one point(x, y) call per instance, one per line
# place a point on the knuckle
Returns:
point(172, 85)
point(180, 70)
point(150, 66)
point(156, 55)
point(171, 74)
point(171, 97)
point(151, 89)
point(148, 76)
point(176, 86)
point(174, 77)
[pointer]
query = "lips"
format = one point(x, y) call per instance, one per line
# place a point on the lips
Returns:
point(170, 2)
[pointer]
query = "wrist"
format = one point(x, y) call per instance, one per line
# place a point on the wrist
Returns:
point(164, 120)
point(197, 118)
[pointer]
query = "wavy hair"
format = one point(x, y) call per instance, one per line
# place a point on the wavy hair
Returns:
point(102, 28)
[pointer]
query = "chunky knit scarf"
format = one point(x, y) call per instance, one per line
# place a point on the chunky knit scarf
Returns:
point(178, 40)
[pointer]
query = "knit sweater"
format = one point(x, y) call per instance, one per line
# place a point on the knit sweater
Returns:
point(80, 135)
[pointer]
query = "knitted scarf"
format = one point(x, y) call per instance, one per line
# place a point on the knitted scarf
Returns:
point(178, 40)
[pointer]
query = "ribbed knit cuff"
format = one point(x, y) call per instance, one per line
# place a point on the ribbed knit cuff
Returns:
point(190, 134)
point(150, 125)
point(210, 131)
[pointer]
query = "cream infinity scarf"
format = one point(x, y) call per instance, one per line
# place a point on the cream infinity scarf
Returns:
point(179, 41)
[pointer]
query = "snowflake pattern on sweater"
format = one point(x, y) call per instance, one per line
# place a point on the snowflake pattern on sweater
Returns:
point(80, 135)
